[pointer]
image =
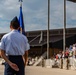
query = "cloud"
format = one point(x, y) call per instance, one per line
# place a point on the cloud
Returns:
point(71, 14)
point(35, 13)
point(56, 14)
point(34, 16)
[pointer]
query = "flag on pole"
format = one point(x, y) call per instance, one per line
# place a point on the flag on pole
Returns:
point(21, 21)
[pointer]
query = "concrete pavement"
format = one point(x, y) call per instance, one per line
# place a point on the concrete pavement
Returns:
point(30, 70)
point(1, 69)
point(48, 71)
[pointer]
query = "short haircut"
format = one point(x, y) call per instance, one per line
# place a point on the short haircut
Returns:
point(15, 25)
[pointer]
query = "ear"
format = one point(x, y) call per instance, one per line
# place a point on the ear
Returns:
point(18, 28)
point(10, 26)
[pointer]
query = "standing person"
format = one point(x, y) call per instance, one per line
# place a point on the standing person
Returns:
point(14, 50)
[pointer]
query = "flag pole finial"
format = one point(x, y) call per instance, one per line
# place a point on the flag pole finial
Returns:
point(20, 0)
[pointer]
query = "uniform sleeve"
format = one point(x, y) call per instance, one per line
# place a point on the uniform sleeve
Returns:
point(2, 44)
point(27, 45)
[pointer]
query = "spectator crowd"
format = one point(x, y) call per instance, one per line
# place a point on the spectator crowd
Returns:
point(68, 52)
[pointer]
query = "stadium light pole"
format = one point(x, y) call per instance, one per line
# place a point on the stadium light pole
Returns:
point(64, 29)
point(48, 29)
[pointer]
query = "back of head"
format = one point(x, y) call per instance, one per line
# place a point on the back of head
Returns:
point(15, 23)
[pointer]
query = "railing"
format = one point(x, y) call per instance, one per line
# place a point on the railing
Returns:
point(40, 59)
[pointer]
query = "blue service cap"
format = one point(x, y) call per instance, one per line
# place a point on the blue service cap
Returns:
point(15, 19)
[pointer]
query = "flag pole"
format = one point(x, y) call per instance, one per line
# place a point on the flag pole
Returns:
point(48, 29)
point(64, 29)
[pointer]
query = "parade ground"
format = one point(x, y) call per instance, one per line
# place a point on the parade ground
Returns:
point(31, 70)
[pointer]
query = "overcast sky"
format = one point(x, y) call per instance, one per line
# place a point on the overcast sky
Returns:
point(35, 14)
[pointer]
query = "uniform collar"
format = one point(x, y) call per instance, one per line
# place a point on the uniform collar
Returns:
point(14, 30)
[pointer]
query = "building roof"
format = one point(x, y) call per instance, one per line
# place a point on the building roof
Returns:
point(72, 0)
point(55, 35)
